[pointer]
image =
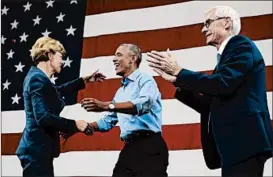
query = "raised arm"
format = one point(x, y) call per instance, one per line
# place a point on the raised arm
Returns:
point(141, 105)
point(71, 86)
point(230, 75)
point(78, 84)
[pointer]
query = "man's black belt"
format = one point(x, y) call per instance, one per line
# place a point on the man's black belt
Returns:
point(138, 134)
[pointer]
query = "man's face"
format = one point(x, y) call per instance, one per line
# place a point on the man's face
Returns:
point(123, 60)
point(214, 28)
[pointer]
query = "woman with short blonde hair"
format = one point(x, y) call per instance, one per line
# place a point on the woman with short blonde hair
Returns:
point(46, 45)
point(43, 102)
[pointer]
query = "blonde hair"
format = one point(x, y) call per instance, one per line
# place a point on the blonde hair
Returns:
point(226, 11)
point(45, 45)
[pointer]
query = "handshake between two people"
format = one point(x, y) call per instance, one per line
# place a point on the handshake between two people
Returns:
point(90, 105)
point(94, 105)
point(82, 125)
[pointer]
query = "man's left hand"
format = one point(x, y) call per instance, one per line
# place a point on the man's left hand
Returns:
point(94, 77)
point(166, 63)
point(94, 105)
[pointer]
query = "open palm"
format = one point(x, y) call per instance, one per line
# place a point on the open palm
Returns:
point(165, 76)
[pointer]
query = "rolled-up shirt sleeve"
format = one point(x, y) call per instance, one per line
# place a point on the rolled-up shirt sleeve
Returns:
point(107, 122)
point(147, 96)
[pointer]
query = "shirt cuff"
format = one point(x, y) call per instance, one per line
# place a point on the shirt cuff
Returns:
point(142, 105)
point(101, 125)
point(179, 80)
point(138, 105)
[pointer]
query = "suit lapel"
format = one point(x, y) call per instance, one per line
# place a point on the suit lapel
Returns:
point(34, 68)
point(223, 54)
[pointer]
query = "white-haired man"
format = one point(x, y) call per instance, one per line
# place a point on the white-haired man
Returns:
point(236, 130)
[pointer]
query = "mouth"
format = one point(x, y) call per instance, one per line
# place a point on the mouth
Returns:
point(116, 65)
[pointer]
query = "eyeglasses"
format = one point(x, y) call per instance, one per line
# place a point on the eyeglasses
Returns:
point(209, 21)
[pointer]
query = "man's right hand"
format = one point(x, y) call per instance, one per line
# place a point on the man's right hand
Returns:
point(81, 125)
point(89, 130)
point(84, 127)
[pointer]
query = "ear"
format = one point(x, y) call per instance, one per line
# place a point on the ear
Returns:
point(228, 23)
point(134, 59)
point(49, 55)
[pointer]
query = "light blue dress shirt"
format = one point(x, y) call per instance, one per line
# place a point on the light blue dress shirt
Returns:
point(142, 91)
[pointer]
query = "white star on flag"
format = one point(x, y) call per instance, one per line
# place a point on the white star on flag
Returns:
point(67, 62)
point(27, 6)
point(19, 67)
point(70, 30)
point(60, 17)
point(53, 79)
point(49, 3)
point(3, 39)
point(14, 24)
point(6, 85)
point(36, 20)
point(29, 52)
point(23, 37)
point(73, 1)
point(5, 11)
point(15, 99)
point(10, 54)
point(46, 33)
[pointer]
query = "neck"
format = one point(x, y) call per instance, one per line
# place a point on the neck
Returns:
point(222, 40)
point(44, 66)
point(129, 72)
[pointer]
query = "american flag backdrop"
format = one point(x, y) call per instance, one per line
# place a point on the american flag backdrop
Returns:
point(91, 31)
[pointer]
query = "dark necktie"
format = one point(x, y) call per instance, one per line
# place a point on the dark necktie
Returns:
point(218, 58)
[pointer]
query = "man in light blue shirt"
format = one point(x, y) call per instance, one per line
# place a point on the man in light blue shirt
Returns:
point(138, 109)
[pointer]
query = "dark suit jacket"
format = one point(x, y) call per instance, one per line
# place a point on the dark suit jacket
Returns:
point(234, 97)
point(43, 104)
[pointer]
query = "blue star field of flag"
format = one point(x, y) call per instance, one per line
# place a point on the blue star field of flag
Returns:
point(23, 22)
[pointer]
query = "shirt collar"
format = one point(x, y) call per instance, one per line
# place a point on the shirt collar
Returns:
point(132, 77)
point(223, 45)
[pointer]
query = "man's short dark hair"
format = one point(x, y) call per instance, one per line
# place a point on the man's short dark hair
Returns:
point(136, 51)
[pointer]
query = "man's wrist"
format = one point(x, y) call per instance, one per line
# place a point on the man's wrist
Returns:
point(111, 106)
point(94, 125)
point(177, 71)
point(89, 130)
point(174, 80)
point(106, 106)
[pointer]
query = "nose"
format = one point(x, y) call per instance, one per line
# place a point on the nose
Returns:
point(114, 59)
point(62, 63)
point(204, 29)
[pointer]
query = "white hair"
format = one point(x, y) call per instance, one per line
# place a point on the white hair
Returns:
point(226, 11)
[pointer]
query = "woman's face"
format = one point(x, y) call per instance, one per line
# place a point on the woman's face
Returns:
point(56, 61)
